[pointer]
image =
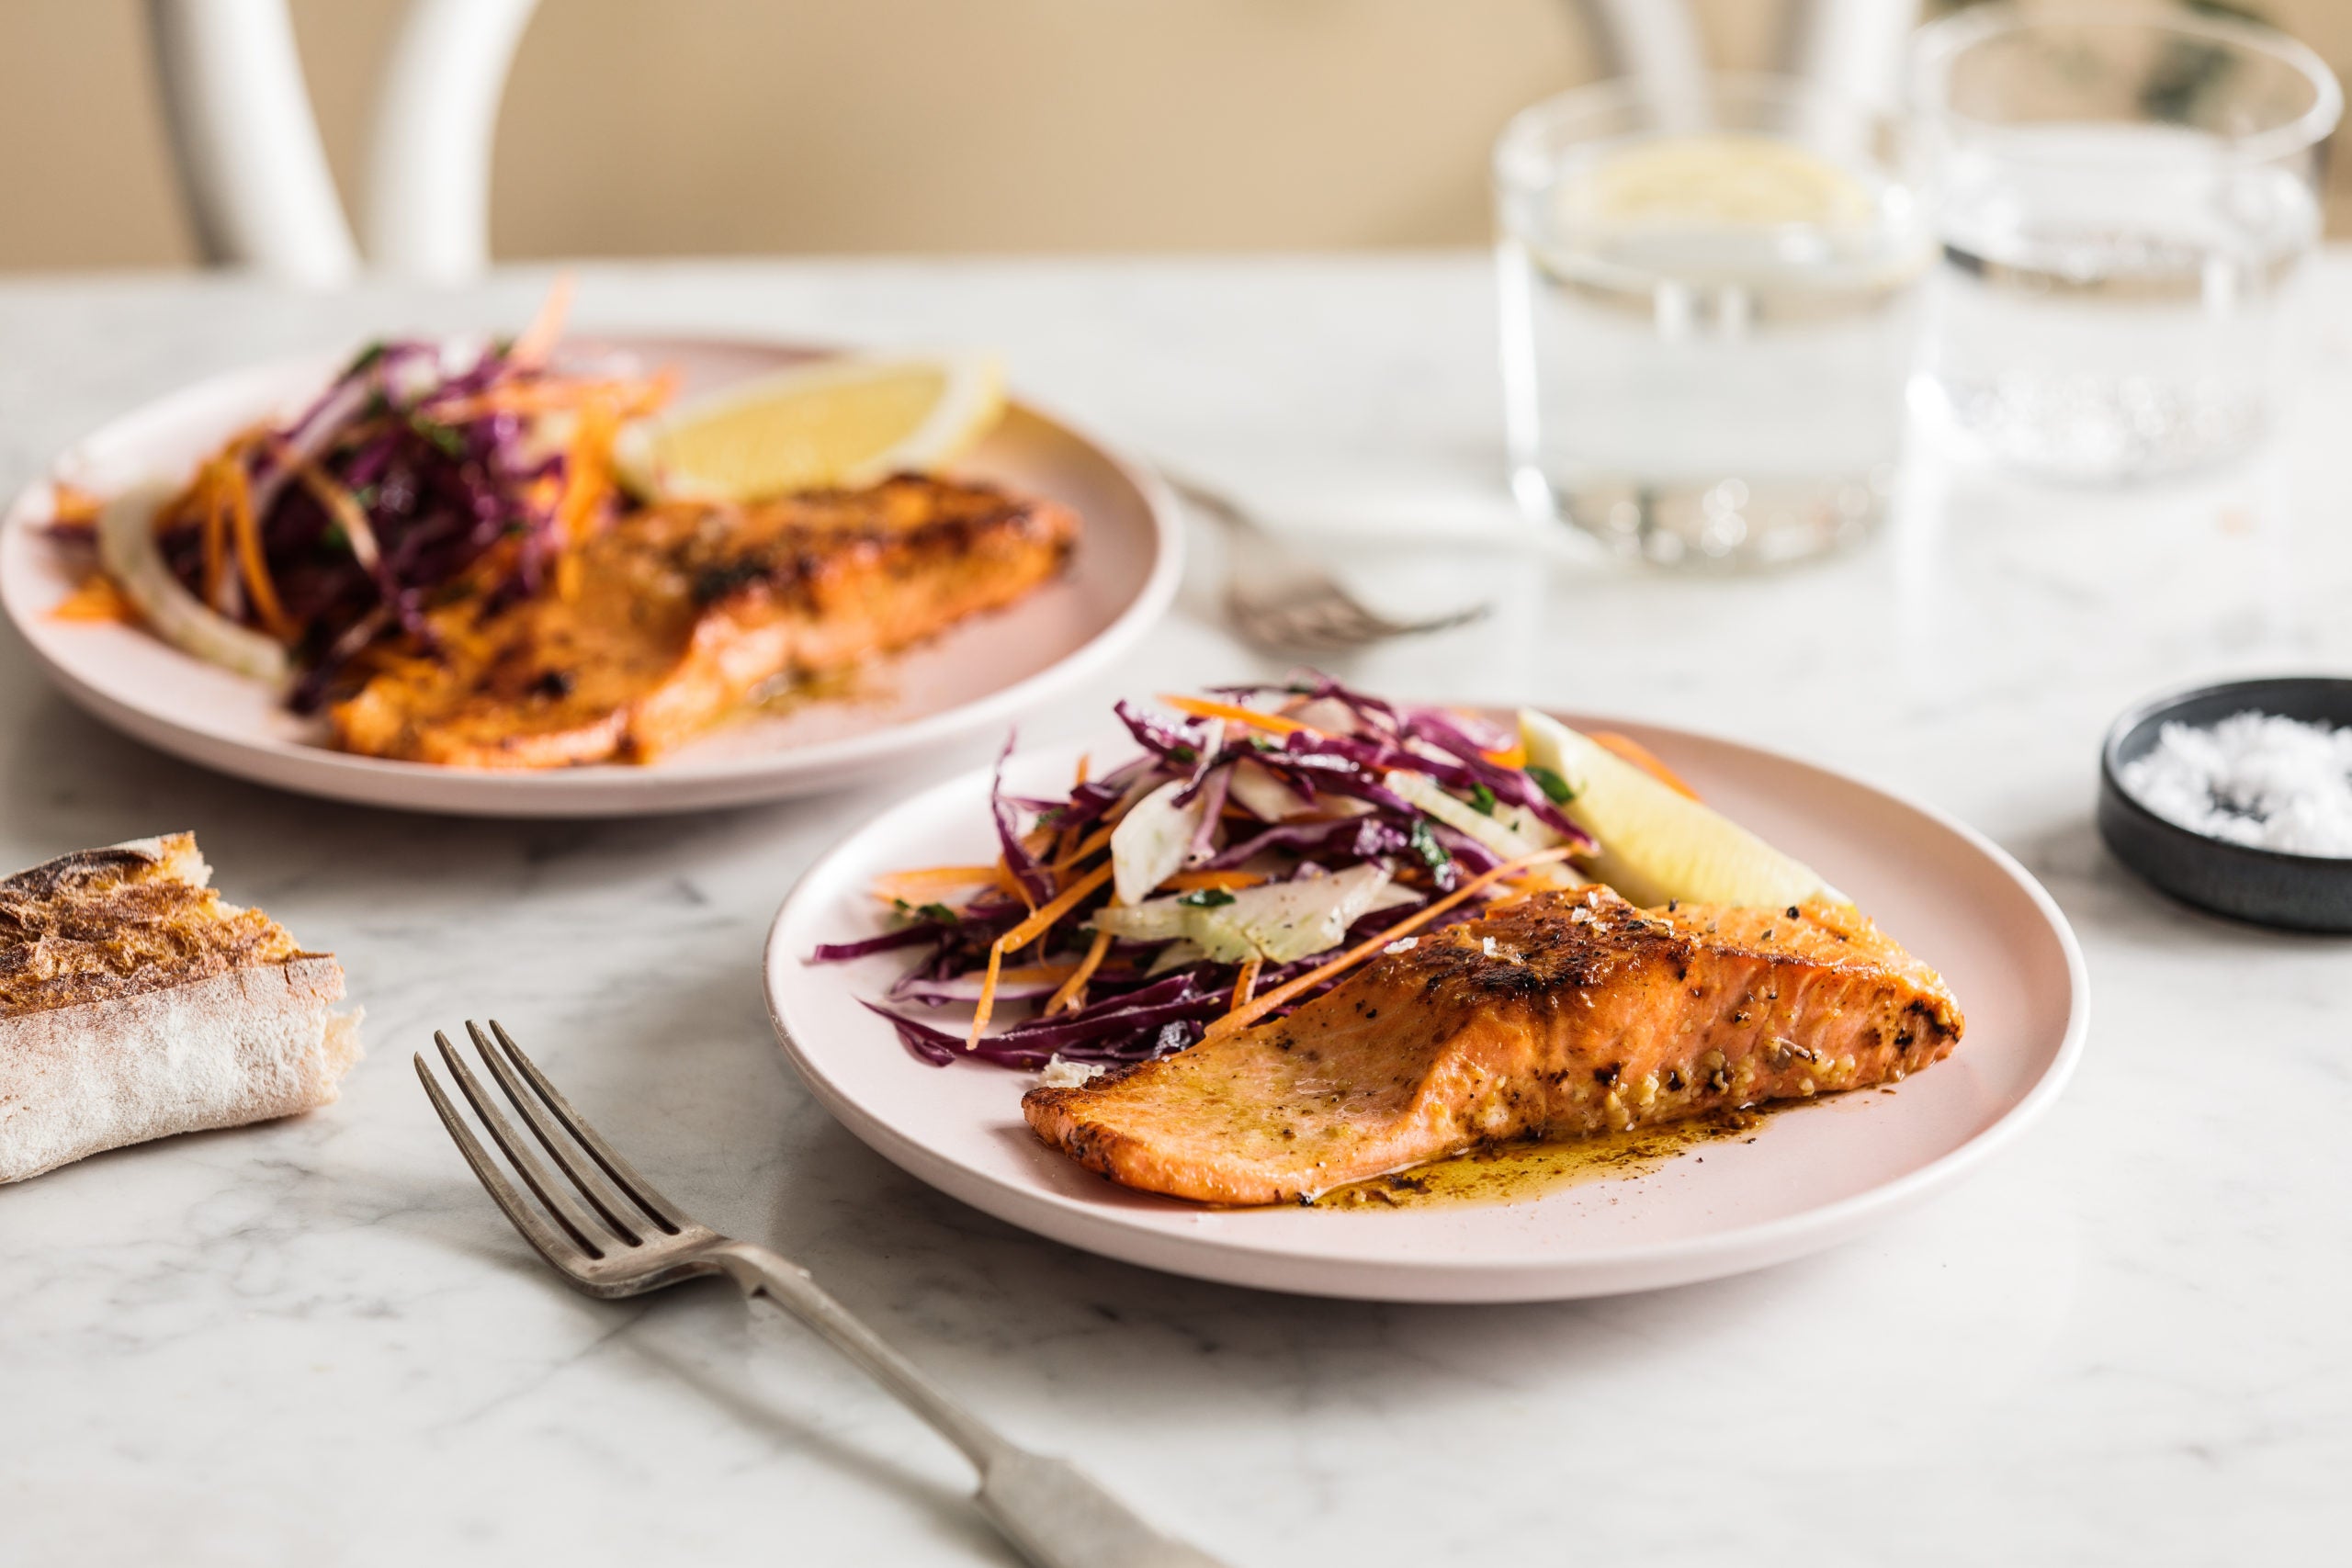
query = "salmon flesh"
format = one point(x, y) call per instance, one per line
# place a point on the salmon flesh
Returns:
point(1563, 1014)
point(677, 616)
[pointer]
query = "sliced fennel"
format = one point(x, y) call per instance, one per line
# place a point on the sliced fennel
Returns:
point(1522, 836)
point(1277, 921)
point(1263, 795)
point(127, 550)
point(1152, 841)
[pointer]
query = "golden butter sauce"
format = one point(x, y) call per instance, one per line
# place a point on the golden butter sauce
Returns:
point(1518, 1172)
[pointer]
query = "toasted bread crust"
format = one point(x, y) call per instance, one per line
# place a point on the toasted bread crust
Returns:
point(135, 1003)
point(113, 922)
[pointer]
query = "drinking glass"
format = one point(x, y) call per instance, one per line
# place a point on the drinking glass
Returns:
point(1710, 312)
point(2124, 201)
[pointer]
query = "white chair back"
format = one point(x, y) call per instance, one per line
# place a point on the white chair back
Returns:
point(255, 176)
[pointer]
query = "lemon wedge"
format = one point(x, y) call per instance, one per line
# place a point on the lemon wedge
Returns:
point(1656, 844)
point(837, 421)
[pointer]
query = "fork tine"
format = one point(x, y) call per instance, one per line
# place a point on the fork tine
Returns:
point(640, 1191)
point(584, 1176)
point(567, 1212)
point(1439, 623)
point(551, 1243)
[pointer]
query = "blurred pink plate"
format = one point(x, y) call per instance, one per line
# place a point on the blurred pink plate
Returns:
point(1813, 1176)
point(966, 684)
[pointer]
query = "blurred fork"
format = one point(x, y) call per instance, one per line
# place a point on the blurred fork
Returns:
point(1284, 603)
point(612, 1235)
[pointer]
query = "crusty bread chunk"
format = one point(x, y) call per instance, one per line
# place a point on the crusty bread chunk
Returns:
point(135, 1003)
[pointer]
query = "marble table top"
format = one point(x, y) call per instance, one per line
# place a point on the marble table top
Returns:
point(315, 1342)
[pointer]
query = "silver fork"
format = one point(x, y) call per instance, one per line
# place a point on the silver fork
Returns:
point(1285, 603)
point(612, 1235)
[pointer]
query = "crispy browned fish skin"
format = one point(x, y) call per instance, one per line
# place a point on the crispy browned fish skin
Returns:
point(1588, 1016)
point(683, 612)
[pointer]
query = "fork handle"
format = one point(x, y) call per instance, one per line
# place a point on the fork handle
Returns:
point(1055, 1513)
point(763, 1273)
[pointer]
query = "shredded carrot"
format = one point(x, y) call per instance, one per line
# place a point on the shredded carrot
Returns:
point(1020, 936)
point(1065, 838)
point(1039, 924)
point(1193, 881)
point(72, 506)
point(1512, 756)
point(586, 477)
point(1020, 889)
point(1202, 708)
point(344, 508)
point(622, 399)
point(1091, 843)
point(539, 339)
point(1072, 996)
point(1633, 752)
point(216, 537)
point(1245, 984)
point(1242, 1017)
point(97, 599)
point(587, 482)
point(1545, 878)
point(249, 553)
point(1037, 974)
point(922, 884)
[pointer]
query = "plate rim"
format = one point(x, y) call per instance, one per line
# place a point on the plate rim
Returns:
point(703, 784)
point(1614, 1270)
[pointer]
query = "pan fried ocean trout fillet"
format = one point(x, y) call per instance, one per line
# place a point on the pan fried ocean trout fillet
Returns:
point(681, 613)
point(1562, 1014)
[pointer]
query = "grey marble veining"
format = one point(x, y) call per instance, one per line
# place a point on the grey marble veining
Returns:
point(315, 1342)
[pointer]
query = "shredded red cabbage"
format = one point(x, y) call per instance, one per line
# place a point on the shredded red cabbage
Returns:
point(1130, 1014)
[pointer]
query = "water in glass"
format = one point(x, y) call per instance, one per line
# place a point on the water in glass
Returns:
point(1706, 339)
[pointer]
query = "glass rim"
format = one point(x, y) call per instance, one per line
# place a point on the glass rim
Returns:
point(1934, 46)
point(1514, 142)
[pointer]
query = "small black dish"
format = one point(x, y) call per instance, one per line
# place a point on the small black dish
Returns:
point(2306, 893)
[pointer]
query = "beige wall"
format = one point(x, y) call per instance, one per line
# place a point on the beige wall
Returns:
point(699, 126)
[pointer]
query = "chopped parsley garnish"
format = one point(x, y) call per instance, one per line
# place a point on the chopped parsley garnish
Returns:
point(447, 437)
point(1482, 800)
point(939, 914)
point(1207, 899)
point(1555, 788)
point(1425, 845)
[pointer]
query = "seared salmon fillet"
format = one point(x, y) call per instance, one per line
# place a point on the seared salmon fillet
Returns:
point(676, 615)
point(1561, 1014)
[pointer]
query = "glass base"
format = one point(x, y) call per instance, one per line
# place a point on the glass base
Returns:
point(1724, 524)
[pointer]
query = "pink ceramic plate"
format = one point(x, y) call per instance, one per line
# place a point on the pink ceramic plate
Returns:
point(1812, 1176)
point(966, 682)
